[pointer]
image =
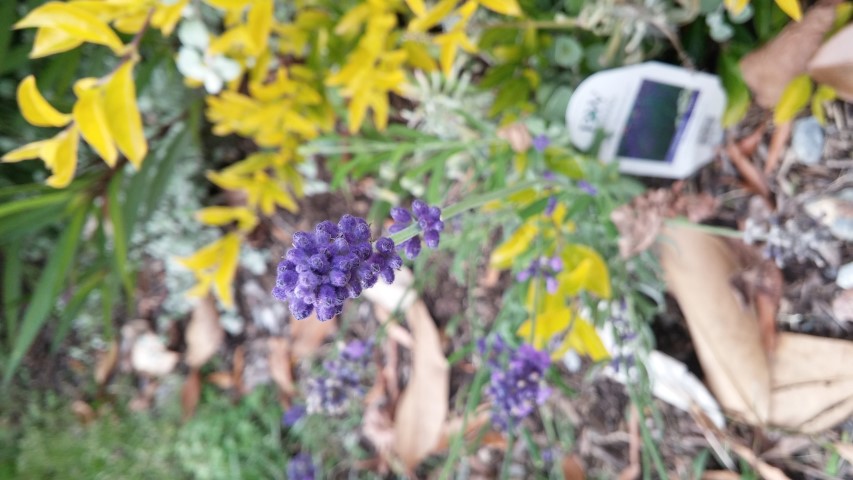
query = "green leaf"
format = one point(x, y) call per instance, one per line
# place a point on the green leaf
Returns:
point(737, 93)
point(435, 192)
point(511, 93)
point(568, 52)
point(436, 160)
point(120, 235)
point(12, 294)
point(823, 94)
point(62, 196)
point(46, 290)
point(74, 306)
point(21, 224)
point(793, 99)
point(172, 153)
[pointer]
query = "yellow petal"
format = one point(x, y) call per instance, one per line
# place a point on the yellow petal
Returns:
point(424, 22)
point(503, 256)
point(584, 340)
point(792, 8)
point(167, 16)
point(224, 276)
point(821, 95)
point(35, 108)
point(75, 22)
point(357, 110)
point(29, 151)
point(204, 258)
point(228, 4)
point(504, 7)
point(418, 56)
point(217, 216)
point(793, 99)
point(417, 7)
point(735, 6)
point(126, 122)
point(259, 22)
point(583, 269)
point(91, 118)
point(61, 157)
point(52, 40)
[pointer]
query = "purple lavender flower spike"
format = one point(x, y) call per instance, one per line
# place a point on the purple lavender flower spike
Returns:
point(519, 387)
point(587, 187)
point(332, 393)
point(331, 264)
point(293, 415)
point(301, 467)
point(540, 143)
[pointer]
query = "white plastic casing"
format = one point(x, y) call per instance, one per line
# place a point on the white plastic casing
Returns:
point(660, 120)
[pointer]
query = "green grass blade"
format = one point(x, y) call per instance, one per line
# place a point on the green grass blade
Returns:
point(88, 283)
point(12, 277)
point(30, 203)
point(14, 227)
point(46, 290)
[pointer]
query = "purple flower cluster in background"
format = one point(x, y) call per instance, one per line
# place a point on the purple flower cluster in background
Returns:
point(517, 383)
point(427, 217)
point(341, 380)
point(331, 264)
point(301, 467)
point(545, 267)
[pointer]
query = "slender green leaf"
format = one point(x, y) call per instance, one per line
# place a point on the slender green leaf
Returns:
point(173, 151)
point(12, 278)
point(431, 163)
point(72, 309)
point(7, 18)
point(46, 290)
point(120, 235)
point(435, 192)
point(14, 227)
point(30, 203)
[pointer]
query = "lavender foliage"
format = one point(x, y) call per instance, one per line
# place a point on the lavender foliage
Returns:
point(517, 385)
point(341, 380)
point(331, 264)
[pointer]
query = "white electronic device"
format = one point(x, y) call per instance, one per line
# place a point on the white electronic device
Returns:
point(659, 120)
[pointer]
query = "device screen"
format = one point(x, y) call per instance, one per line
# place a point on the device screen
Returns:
point(657, 121)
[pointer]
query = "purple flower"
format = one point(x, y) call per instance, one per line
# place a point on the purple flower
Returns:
point(519, 387)
point(293, 415)
point(341, 380)
point(301, 467)
point(540, 143)
point(587, 187)
point(427, 217)
point(331, 264)
point(548, 268)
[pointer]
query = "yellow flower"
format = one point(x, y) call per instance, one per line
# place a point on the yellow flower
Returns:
point(214, 265)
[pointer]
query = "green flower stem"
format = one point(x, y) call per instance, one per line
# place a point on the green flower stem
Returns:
point(468, 204)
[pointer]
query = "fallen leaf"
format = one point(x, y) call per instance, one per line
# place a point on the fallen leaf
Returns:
point(633, 470)
point(517, 135)
point(750, 143)
point(807, 386)
point(472, 425)
point(845, 451)
point(812, 382)
point(106, 363)
point(842, 306)
point(764, 469)
point(223, 380)
point(573, 470)
point(769, 69)
point(379, 430)
point(697, 269)
point(423, 405)
point(778, 142)
point(149, 356)
point(84, 412)
point(279, 362)
point(833, 63)
point(395, 296)
point(307, 335)
point(750, 173)
point(204, 333)
point(238, 367)
point(190, 394)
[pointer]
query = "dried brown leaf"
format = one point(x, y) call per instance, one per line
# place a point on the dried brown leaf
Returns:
point(83, 411)
point(238, 367)
point(454, 426)
point(697, 269)
point(812, 382)
point(106, 363)
point(769, 69)
point(720, 475)
point(750, 143)
point(517, 135)
point(307, 335)
point(379, 430)
point(778, 142)
point(423, 405)
point(190, 393)
point(842, 306)
point(280, 367)
point(204, 333)
point(764, 469)
point(573, 469)
point(149, 356)
point(750, 173)
point(833, 63)
point(223, 380)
